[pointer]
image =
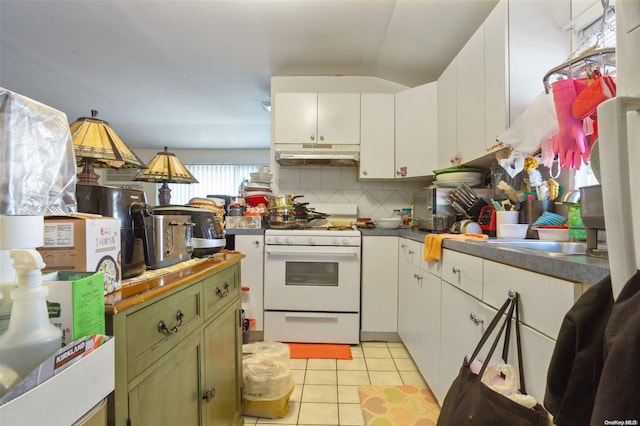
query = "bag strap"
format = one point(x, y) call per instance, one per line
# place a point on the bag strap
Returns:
point(512, 304)
point(489, 330)
point(507, 320)
point(519, 345)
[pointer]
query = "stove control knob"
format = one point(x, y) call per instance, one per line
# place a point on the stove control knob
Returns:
point(345, 241)
point(335, 241)
point(312, 241)
point(288, 240)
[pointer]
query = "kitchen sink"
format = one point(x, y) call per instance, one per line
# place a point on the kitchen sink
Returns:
point(552, 248)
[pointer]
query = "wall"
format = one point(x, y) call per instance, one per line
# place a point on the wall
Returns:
point(324, 184)
point(340, 185)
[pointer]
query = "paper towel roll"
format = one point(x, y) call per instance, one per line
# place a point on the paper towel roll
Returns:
point(21, 232)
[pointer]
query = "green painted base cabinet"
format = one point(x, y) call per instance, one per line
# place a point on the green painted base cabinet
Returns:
point(188, 372)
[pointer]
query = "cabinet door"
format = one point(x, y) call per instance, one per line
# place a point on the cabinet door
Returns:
point(470, 98)
point(459, 334)
point(496, 62)
point(417, 131)
point(252, 246)
point(222, 364)
point(427, 326)
point(544, 300)
point(403, 265)
point(377, 136)
point(413, 338)
point(169, 395)
point(379, 308)
point(463, 271)
point(536, 354)
point(296, 117)
point(339, 118)
point(447, 116)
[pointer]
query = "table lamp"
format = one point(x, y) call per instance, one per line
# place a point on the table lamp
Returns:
point(95, 144)
point(165, 167)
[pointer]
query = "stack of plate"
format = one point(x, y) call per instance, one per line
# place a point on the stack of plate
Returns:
point(260, 185)
point(455, 176)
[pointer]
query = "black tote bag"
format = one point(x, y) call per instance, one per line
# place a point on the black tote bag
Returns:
point(470, 402)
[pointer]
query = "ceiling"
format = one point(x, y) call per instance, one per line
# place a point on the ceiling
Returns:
point(193, 74)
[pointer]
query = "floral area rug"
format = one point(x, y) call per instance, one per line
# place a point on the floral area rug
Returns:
point(405, 405)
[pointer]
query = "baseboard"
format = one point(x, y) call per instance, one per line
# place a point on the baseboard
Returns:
point(379, 336)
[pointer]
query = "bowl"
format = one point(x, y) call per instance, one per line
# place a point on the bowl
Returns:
point(552, 233)
point(388, 222)
point(512, 230)
point(256, 200)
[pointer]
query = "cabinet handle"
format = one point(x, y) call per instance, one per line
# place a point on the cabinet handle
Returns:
point(257, 243)
point(321, 138)
point(456, 270)
point(411, 252)
point(223, 293)
point(364, 173)
point(162, 327)
point(208, 395)
point(313, 138)
point(475, 319)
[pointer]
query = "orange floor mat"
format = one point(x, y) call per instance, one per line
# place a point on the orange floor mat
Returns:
point(319, 350)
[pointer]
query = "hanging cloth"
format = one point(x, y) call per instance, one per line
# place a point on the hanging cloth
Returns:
point(618, 396)
point(577, 360)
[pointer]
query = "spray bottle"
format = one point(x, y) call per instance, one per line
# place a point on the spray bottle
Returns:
point(30, 338)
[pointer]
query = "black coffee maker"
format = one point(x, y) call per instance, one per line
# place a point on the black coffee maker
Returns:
point(116, 202)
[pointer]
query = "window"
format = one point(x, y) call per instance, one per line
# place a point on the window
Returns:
point(213, 179)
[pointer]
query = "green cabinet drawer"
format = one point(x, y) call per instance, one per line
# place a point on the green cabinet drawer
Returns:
point(221, 289)
point(156, 328)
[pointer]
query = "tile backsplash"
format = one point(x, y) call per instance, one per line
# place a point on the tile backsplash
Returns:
point(324, 184)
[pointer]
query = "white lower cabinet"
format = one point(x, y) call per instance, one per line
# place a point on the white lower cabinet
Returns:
point(459, 335)
point(544, 300)
point(419, 308)
point(379, 291)
point(462, 304)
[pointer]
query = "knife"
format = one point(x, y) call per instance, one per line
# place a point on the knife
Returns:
point(457, 207)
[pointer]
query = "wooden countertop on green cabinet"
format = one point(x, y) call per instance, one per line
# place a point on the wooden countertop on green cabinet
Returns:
point(178, 345)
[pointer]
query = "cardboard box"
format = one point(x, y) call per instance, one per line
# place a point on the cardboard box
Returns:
point(62, 395)
point(83, 243)
point(76, 303)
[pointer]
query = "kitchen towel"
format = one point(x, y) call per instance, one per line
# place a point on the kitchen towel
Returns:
point(433, 244)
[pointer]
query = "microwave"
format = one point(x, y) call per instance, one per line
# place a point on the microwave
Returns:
point(433, 200)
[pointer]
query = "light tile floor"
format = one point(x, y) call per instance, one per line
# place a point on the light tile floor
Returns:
point(326, 390)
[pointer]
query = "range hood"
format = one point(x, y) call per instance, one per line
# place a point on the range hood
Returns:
point(317, 155)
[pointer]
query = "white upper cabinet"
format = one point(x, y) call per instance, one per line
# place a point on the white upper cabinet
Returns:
point(498, 73)
point(377, 136)
point(416, 131)
point(325, 118)
point(523, 40)
point(447, 113)
point(470, 97)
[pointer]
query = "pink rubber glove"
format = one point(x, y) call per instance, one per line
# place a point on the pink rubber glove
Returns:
point(570, 142)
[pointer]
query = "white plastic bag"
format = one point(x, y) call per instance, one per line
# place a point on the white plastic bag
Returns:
point(507, 386)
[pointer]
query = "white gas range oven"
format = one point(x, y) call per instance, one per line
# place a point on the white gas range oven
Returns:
point(312, 280)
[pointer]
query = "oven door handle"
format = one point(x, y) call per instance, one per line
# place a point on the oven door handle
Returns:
point(310, 315)
point(310, 253)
